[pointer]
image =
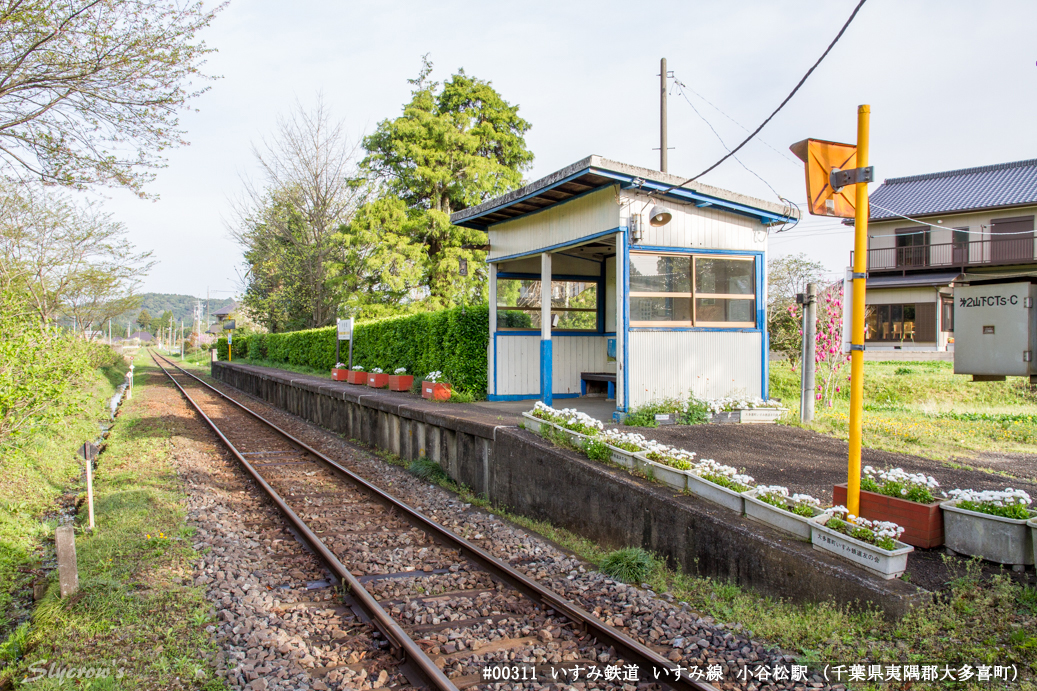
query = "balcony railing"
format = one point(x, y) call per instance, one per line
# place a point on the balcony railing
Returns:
point(1020, 249)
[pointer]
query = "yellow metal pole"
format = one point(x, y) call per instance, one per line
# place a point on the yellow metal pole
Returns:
point(860, 255)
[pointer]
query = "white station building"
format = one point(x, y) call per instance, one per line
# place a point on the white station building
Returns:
point(654, 290)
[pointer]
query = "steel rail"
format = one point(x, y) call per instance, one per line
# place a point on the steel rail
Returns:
point(428, 671)
point(625, 646)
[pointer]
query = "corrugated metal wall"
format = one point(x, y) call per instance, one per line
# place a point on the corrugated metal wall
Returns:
point(567, 222)
point(518, 363)
point(693, 227)
point(711, 364)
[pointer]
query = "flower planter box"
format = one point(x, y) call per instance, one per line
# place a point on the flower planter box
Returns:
point(355, 377)
point(436, 391)
point(1032, 523)
point(339, 374)
point(400, 382)
point(1002, 540)
point(762, 512)
point(627, 459)
point(377, 380)
point(882, 562)
point(728, 498)
point(749, 416)
point(922, 523)
point(533, 424)
point(668, 475)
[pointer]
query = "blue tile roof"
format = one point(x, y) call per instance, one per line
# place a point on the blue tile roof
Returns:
point(968, 189)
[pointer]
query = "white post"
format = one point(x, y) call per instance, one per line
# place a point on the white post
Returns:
point(491, 355)
point(90, 487)
point(546, 374)
point(622, 395)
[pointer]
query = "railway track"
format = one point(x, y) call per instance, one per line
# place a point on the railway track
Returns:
point(424, 588)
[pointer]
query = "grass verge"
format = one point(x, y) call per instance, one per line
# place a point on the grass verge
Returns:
point(923, 408)
point(136, 615)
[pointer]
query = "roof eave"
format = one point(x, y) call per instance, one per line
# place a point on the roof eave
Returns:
point(970, 210)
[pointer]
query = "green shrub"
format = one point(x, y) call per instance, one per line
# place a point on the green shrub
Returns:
point(597, 450)
point(630, 565)
point(427, 470)
point(453, 341)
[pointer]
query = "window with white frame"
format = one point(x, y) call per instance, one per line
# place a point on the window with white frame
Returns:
point(692, 290)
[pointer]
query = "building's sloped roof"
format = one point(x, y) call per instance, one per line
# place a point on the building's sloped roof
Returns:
point(968, 189)
point(594, 172)
point(224, 311)
point(143, 335)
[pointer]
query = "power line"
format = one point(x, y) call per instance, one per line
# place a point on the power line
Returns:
point(680, 88)
point(781, 105)
point(798, 164)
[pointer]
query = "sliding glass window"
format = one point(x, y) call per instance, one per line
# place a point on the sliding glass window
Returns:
point(574, 305)
point(692, 290)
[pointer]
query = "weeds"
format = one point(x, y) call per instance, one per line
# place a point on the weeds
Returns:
point(630, 565)
point(427, 470)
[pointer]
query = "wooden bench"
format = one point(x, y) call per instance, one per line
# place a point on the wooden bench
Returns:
point(608, 377)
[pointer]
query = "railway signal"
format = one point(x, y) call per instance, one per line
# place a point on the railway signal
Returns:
point(831, 170)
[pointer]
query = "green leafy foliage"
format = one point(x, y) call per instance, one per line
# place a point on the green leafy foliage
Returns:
point(690, 412)
point(1018, 512)
point(427, 470)
point(453, 341)
point(911, 492)
point(597, 450)
point(630, 565)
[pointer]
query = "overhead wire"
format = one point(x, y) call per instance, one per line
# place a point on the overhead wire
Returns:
point(788, 98)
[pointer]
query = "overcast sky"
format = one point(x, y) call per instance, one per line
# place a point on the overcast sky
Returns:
point(951, 84)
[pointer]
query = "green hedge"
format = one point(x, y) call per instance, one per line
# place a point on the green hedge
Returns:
point(453, 341)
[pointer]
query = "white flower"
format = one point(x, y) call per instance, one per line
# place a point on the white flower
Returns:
point(1008, 497)
point(358, 368)
point(400, 370)
point(433, 376)
point(339, 365)
point(376, 370)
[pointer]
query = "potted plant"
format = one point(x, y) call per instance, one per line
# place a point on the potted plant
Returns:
point(772, 505)
point(357, 375)
point(542, 416)
point(624, 446)
point(903, 498)
point(744, 409)
point(377, 379)
point(870, 544)
point(989, 524)
point(720, 484)
point(435, 388)
point(399, 380)
point(667, 464)
point(339, 372)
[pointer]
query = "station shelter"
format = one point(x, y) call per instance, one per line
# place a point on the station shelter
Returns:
point(612, 279)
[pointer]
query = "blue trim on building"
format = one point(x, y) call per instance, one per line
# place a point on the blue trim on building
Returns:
point(546, 375)
point(557, 333)
point(494, 362)
point(694, 250)
point(625, 297)
point(528, 396)
point(695, 328)
point(572, 243)
point(766, 374)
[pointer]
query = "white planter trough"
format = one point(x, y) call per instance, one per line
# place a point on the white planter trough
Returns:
point(1033, 535)
point(882, 562)
point(749, 416)
point(625, 458)
point(536, 425)
point(728, 498)
point(677, 479)
point(997, 539)
point(763, 512)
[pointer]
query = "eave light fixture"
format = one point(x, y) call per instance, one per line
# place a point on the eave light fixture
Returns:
point(660, 216)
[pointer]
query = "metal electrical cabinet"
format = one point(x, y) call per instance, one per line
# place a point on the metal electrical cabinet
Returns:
point(995, 330)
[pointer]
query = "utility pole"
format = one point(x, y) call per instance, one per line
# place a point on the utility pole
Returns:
point(662, 115)
point(806, 400)
point(109, 330)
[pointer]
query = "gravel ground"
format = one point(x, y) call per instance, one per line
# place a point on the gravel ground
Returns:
point(279, 624)
point(685, 637)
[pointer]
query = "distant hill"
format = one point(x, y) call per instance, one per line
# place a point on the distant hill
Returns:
point(182, 307)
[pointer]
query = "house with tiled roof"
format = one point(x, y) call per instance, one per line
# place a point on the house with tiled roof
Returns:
point(928, 232)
